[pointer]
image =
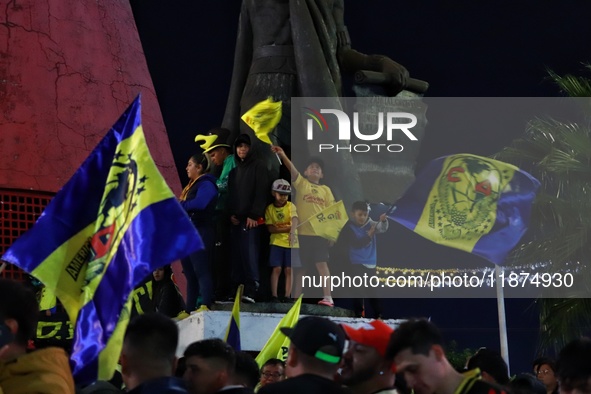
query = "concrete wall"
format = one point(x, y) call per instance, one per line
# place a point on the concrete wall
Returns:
point(255, 328)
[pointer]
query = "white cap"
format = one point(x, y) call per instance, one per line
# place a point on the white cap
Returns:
point(281, 186)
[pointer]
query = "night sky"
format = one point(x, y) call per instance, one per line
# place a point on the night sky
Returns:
point(462, 48)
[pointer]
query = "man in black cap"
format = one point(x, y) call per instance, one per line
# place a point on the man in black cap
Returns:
point(248, 186)
point(314, 357)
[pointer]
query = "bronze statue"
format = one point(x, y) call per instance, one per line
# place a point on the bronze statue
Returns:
point(297, 48)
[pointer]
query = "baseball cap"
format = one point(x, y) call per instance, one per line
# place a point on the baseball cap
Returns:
point(281, 186)
point(374, 334)
point(317, 337)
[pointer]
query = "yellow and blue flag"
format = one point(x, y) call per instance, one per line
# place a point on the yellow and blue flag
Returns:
point(108, 228)
point(278, 344)
point(233, 331)
point(47, 300)
point(468, 202)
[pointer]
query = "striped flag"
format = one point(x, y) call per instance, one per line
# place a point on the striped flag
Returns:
point(112, 224)
point(233, 331)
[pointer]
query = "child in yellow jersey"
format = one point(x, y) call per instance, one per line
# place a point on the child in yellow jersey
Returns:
point(281, 218)
point(311, 199)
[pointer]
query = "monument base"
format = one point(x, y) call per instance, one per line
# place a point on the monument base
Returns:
point(255, 327)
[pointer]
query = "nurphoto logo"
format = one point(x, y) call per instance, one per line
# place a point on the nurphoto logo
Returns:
point(395, 122)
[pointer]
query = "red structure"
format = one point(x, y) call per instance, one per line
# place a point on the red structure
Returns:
point(68, 69)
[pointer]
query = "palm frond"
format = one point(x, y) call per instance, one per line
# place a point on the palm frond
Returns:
point(563, 319)
point(572, 85)
point(559, 155)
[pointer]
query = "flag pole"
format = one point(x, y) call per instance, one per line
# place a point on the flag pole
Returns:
point(502, 317)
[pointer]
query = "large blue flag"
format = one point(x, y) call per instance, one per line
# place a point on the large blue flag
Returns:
point(468, 202)
point(107, 229)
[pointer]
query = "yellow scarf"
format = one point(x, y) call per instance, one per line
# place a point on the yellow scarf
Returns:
point(185, 191)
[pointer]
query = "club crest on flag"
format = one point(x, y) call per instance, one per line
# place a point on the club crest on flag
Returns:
point(468, 190)
point(122, 192)
point(471, 203)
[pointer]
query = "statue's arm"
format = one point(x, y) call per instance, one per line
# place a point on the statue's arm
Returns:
point(352, 61)
point(242, 60)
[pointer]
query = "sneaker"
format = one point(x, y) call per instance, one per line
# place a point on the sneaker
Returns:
point(182, 315)
point(287, 300)
point(248, 299)
point(202, 308)
point(275, 300)
point(227, 300)
point(326, 303)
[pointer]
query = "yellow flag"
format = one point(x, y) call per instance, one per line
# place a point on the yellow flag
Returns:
point(263, 118)
point(278, 343)
point(329, 222)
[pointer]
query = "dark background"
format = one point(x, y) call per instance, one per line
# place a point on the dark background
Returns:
point(462, 48)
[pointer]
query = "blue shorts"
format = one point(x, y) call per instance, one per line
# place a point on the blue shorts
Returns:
point(284, 257)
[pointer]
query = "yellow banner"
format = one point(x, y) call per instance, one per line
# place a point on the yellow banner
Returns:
point(329, 222)
point(278, 344)
point(263, 118)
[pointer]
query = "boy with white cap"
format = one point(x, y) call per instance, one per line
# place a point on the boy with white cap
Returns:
point(281, 218)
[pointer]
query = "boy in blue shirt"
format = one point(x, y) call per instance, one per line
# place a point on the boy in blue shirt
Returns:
point(356, 248)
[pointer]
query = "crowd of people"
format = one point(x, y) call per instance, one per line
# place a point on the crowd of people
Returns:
point(323, 357)
point(250, 226)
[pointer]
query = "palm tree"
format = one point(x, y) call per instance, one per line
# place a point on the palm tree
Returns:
point(559, 155)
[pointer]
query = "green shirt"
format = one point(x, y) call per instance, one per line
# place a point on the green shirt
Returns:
point(222, 183)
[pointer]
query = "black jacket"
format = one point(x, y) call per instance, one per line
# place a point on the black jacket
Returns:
point(248, 185)
point(306, 383)
point(166, 298)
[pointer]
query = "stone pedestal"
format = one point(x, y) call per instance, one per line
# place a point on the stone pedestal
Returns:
point(386, 175)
